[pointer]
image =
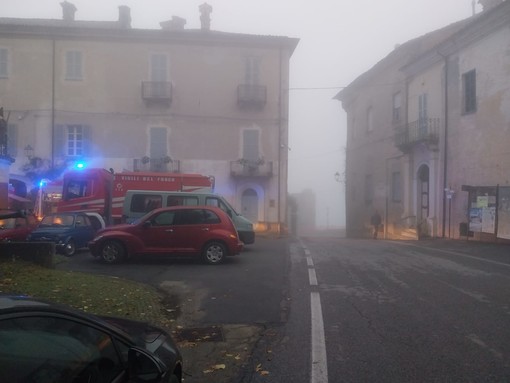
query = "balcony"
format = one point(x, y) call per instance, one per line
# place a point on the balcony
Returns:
point(251, 96)
point(245, 168)
point(424, 131)
point(157, 92)
point(157, 165)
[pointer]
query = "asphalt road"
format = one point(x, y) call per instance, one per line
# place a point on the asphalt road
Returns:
point(430, 311)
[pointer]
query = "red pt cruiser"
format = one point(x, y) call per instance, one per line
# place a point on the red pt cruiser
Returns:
point(203, 231)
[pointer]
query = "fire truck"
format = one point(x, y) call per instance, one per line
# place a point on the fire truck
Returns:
point(102, 191)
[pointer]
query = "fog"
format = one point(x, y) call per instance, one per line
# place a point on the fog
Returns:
point(340, 40)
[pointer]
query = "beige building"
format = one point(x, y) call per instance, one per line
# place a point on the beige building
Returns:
point(165, 100)
point(429, 134)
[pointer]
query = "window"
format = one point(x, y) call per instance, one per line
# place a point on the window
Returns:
point(49, 349)
point(142, 203)
point(252, 71)
point(251, 145)
point(72, 140)
point(159, 67)
point(158, 142)
point(4, 63)
point(422, 115)
point(369, 189)
point(166, 218)
point(181, 201)
point(469, 92)
point(74, 65)
point(396, 187)
point(397, 106)
point(76, 189)
point(370, 120)
point(75, 140)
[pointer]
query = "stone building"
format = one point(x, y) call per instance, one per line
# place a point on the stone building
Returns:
point(165, 100)
point(428, 134)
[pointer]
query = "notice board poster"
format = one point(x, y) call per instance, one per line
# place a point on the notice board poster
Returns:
point(504, 212)
point(475, 219)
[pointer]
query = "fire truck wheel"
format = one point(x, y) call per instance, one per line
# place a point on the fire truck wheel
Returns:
point(214, 253)
point(69, 248)
point(112, 252)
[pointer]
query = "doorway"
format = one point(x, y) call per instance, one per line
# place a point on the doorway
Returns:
point(250, 205)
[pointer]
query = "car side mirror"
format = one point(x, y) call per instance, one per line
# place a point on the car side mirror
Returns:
point(143, 366)
point(147, 224)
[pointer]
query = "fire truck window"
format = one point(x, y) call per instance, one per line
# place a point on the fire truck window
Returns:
point(76, 189)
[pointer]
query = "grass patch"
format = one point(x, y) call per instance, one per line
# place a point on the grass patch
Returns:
point(95, 294)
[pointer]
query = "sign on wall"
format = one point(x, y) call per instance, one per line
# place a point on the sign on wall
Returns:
point(504, 212)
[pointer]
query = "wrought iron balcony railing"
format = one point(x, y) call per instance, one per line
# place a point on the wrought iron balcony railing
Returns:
point(251, 96)
point(158, 165)
point(157, 91)
point(421, 131)
point(251, 169)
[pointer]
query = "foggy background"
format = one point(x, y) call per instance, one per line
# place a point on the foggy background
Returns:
point(340, 39)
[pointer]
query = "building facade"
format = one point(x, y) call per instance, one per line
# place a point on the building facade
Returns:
point(428, 134)
point(164, 100)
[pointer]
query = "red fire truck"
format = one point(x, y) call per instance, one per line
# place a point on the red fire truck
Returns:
point(102, 191)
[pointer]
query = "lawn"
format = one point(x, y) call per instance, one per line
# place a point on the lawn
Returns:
point(95, 294)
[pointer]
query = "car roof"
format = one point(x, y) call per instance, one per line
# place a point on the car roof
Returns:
point(190, 207)
point(24, 304)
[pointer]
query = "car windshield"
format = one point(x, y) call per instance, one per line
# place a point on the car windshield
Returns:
point(8, 223)
point(57, 220)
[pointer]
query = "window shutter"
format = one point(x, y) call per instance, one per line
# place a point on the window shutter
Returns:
point(87, 141)
point(59, 143)
point(12, 140)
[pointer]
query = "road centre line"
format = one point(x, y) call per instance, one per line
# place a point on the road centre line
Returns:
point(312, 277)
point(452, 253)
point(319, 368)
point(319, 372)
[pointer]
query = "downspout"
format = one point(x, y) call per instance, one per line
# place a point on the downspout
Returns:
point(445, 150)
point(53, 107)
point(280, 142)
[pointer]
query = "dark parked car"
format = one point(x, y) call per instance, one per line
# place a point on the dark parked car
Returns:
point(204, 231)
point(69, 231)
point(16, 225)
point(46, 343)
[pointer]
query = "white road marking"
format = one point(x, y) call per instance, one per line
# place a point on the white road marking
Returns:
point(312, 277)
point(319, 372)
point(319, 369)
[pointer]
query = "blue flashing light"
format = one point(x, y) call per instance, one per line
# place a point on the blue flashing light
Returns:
point(79, 165)
point(43, 183)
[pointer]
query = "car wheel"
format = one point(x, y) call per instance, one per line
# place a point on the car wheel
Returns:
point(69, 248)
point(112, 252)
point(214, 253)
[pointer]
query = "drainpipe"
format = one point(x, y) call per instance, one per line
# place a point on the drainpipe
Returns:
point(53, 107)
point(445, 149)
point(280, 143)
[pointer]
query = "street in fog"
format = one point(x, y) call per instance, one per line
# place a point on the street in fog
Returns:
point(433, 311)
